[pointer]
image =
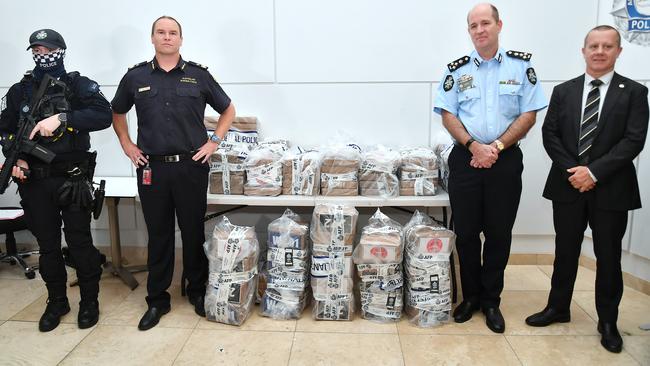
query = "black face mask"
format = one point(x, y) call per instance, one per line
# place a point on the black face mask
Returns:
point(49, 61)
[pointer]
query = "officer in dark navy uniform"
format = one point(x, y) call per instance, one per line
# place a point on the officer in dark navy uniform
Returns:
point(60, 191)
point(170, 95)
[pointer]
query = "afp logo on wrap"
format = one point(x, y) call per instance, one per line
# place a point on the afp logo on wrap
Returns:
point(632, 18)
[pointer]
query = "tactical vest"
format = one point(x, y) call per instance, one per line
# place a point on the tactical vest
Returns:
point(56, 99)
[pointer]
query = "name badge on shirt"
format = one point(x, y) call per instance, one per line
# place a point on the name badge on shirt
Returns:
point(509, 82)
point(465, 82)
point(144, 89)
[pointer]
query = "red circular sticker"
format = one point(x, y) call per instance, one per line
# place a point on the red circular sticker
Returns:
point(379, 252)
point(434, 245)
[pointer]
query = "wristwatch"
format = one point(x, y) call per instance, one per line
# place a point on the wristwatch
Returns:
point(499, 145)
point(215, 138)
point(63, 117)
point(469, 142)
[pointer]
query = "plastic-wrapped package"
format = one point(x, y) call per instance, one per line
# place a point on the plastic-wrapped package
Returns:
point(287, 268)
point(243, 130)
point(227, 168)
point(378, 172)
point(232, 253)
point(301, 173)
point(418, 173)
point(263, 172)
point(428, 277)
point(443, 152)
point(378, 257)
point(332, 233)
point(339, 171)
point(280, 146)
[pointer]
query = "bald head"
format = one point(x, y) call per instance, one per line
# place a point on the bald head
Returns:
point(483, 6)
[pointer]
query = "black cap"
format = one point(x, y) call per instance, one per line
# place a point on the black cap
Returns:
point(48, 38)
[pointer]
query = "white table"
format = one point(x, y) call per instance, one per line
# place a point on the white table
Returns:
point(116, 188)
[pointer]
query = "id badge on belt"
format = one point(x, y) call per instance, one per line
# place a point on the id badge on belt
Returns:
point(146, 175)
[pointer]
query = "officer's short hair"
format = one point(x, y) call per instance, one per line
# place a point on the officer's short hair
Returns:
point(495, 13)
point(604, 28)
point(180, 29)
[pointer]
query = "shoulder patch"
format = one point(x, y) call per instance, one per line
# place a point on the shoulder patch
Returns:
point(525, 56)
point(448, 83)
point(458, 63)
point(138, 65)
point(197, 65)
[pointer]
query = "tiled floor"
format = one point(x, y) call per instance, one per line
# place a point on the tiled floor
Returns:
point(182, 338)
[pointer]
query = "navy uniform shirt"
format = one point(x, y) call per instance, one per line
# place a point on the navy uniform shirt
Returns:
point(488, 95)
point(89, 111)
point(170, 105)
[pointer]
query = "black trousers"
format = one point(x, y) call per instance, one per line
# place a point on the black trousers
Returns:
point(177, 189)
point(484, 201)
point(608, 228)
point(44, 217)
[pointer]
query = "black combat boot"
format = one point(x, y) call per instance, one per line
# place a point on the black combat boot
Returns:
point(55, 309)
point(88, 313)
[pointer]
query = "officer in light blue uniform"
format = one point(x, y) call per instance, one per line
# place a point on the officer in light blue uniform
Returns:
point(488, 95)
point(488, 102)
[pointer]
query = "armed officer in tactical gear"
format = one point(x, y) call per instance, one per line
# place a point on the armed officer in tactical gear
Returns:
point(69, 107)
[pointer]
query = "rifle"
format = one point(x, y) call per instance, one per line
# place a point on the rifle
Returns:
point(19, 143)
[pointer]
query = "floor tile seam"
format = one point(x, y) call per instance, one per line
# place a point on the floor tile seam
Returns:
point(95, 327)
point(512, 348)
point(180, 350)
point(246, 330)
point(353, 332)
point(401, 347)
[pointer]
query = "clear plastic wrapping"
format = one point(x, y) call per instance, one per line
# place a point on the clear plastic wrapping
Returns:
point(287, 268)
point(333, 228)
point(443, 152)
point(378, 257)
point(263, 172)
point(339, 171)
point(227, 168)
point(418, 172)
point(243, 130)
point(428, 277)
point(301, 173)
point(378, 172)
point(232, 253)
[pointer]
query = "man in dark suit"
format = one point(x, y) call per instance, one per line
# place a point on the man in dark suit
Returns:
point(595, 126)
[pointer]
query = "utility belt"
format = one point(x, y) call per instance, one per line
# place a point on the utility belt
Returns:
point(171, 158)
point(64, 169)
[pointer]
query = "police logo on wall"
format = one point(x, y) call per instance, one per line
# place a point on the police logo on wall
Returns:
point(632, 18)
point(41, 35)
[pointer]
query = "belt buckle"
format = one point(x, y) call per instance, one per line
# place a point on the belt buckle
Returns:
point(172, 158)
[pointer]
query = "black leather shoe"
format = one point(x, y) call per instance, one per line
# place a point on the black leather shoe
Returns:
point(199, 305)
point(494, 320)
point(88, 314)
point(548, 316)
point(611, 338)
point(55, 309)
point(152, 316)
point(465, 310)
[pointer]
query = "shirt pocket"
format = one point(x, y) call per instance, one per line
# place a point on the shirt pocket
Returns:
point(145, 99)
point(469, 97)
point(188, 92)
point(509, 96)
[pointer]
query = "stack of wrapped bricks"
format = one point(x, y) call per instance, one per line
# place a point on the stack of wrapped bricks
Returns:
point(339, 171)
point(232, 255)
point(301, 173)
point(378, 257)
point(227, 162)
point(333, 228)
point(378, 173)
point(287, 268)
point(418, 173)
point(263, 172)
point(428, 284)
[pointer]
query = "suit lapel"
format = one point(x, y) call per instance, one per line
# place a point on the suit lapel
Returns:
point(611, 98)
point(575, 106)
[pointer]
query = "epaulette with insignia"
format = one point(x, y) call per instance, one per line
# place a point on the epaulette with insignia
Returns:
point(138, 65)
point(197, 65)
point(520, 55)
point(458, 63)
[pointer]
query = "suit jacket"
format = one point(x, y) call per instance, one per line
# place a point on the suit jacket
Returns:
point(619, 138)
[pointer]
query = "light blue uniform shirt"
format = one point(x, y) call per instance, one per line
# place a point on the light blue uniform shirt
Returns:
point(488, 95)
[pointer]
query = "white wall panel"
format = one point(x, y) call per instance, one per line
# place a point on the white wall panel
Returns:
point(234, 38)
point(309, 114)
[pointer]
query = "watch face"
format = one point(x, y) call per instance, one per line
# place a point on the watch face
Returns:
point(215, 138)
point(63, 117)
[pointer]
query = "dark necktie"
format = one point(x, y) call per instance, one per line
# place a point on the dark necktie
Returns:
point(589, 122)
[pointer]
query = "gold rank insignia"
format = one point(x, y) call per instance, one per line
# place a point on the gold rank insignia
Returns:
point(525, 56)
point(138, 65)
point(458, 63)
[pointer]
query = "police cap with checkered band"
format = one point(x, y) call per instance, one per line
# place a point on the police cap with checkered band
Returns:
point(48, 38)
